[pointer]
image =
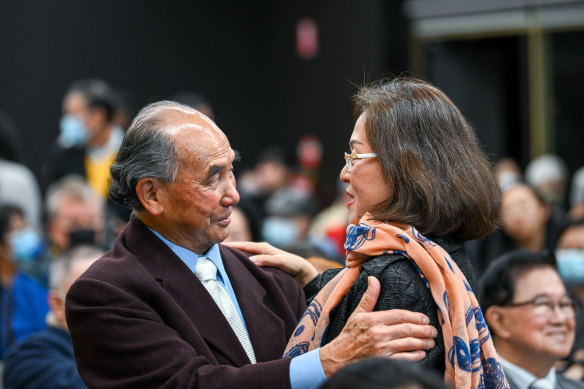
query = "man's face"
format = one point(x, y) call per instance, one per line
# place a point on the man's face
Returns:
point(197, 206)
point(74, 214)
point(550, 337)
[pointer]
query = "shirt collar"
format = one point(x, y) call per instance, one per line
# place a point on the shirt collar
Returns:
point(190, 257)
point(522, 377)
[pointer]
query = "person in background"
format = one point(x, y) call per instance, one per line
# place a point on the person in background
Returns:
point(531, 317)
point(89, 138)
point(508, 173)
point(23, 301)
point(270, 174)
point(46, 360)
point(570, 258)
point(527, 221)
point(577, 194)
point(27, 246)
point(169, 306)
point(382, 373)
point(75, 215)
point(548, 174)
point(18, 184)
point(410, 208)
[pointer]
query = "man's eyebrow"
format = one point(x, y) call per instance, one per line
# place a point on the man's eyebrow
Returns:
point(218, 169)
point(215, 169)
point(355, 142)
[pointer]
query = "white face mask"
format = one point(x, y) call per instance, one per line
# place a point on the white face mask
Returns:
point(280, 231)
point(73, 131)
point(508, 179)
point(571, 266)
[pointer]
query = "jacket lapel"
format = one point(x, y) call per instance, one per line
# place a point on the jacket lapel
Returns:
point(186, 290)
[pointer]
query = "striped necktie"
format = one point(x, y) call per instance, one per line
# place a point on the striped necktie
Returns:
point(206, 271)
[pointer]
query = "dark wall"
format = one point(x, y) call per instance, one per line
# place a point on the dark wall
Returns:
point(240, 54)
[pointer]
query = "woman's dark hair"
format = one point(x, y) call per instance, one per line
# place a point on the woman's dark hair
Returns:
point(442, 183)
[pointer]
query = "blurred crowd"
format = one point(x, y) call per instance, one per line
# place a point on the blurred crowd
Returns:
point(53, 226)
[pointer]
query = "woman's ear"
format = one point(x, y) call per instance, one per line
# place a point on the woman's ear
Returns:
point(497, 320)
point(149, 194)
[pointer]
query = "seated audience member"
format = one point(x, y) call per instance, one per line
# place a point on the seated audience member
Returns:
point(289, 214)
point(23, 301)
point(26, 244)
point(18, 185)
point(89, 138)
point(570, 258)
point(577, 194)
point(382, 373)
point(508, 173)
point(75, 214)
point(46, 360)
point(548, 174)
point(531, 317)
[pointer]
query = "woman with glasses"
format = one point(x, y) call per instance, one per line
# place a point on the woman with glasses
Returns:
point(419, 185)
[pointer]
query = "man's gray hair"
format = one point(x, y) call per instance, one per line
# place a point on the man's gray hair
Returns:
point(72, 186)
point(147, 151)
point(61, 268)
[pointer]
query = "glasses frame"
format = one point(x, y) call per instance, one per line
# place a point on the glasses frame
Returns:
point(349, 158)
point(551, 304)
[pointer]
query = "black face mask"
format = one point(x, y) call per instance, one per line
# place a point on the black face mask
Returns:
point(78, 237)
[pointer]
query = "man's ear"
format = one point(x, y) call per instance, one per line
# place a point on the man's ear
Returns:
point(149, 194)
point(497, 321)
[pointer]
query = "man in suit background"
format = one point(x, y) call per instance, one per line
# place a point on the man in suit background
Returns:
point(45, 359)
point(531, 317)
point(140, 316)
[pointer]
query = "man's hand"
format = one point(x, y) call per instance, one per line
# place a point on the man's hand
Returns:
point(268, 255)
point(393, 334)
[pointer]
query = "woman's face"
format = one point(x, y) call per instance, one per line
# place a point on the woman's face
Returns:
point(366, 186)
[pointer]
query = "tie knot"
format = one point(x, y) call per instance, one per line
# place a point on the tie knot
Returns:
point(205, 269)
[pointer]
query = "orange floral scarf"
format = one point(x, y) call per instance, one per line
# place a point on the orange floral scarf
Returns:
point(471, 359)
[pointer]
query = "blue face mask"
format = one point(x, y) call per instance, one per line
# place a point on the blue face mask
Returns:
point(73, 131)
point(280, 232)
point(26, 245)
point(571, 265)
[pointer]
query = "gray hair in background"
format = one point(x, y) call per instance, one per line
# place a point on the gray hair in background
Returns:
point(71, 186)
point(62, 267)
point(577, 192)
point(147, 151)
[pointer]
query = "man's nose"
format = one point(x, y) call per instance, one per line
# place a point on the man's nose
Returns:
point(231, 196)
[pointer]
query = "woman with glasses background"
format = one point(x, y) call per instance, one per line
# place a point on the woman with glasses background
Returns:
point(416, 178)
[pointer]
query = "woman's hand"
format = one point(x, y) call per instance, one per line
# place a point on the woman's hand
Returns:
point(268, 255)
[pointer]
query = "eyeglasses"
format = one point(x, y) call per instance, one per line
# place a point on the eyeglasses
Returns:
point(349, 158)
point(544, 306)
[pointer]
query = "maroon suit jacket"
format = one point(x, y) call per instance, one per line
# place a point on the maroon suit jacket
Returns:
point(139, 318)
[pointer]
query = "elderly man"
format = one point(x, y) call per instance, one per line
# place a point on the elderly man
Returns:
point(170, 307)
point(45, 360)
point(75, 214)
point(531, 317)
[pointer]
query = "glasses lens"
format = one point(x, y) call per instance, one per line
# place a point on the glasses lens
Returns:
point(348, 162)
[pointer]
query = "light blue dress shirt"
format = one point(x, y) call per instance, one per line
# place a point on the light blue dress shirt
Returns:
point(305, 370)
